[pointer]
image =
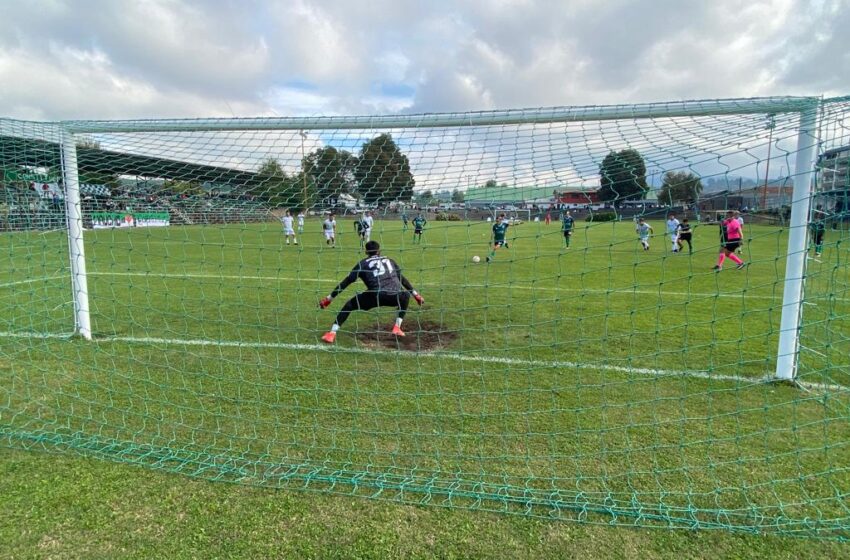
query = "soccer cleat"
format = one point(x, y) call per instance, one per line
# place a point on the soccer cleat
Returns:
point(742, 265)
point(717, 268)
point(329, 337)
point(489, 259)
point(397, 331)
point(817, 254)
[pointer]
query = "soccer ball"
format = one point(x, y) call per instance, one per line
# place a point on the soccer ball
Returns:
point(476, 259)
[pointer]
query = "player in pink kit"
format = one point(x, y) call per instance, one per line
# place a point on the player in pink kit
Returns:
point(730, 240)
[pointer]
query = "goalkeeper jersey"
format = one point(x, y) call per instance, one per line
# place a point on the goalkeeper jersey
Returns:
point(380, 274)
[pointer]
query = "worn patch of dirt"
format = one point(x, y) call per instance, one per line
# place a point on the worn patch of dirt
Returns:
point(419, 336)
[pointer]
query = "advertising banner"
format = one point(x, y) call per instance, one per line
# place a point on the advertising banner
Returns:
point(101, 220)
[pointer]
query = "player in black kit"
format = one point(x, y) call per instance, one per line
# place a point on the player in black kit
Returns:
point(386, 286)
point(685, 234)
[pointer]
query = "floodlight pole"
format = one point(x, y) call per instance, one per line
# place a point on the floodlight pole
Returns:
point(795, 262)
point(76, 249)
point(771, 124)
point(303, 171)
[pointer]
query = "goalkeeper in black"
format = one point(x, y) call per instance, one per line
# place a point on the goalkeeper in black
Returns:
point(386, 286)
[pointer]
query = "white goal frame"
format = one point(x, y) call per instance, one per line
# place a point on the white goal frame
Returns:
point(807, 142)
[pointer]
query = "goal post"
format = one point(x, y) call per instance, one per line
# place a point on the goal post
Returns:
point(795, 267)
point(76, 246)
point(803, 177)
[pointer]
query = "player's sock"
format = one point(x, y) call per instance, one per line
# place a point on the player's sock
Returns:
point(736, 259)
point(398, 321)
point(334, 328)
point(720, 260)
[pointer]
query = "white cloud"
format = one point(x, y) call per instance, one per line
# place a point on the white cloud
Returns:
point(192, 58)
point(217, 58)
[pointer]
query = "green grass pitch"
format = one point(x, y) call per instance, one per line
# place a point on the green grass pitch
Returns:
point(601, 383)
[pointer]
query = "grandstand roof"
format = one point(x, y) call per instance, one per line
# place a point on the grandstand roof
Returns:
point(517, 194)
point(40, 153)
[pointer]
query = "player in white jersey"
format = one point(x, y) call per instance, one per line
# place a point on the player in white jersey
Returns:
point(329, 228)
point(368, 222)
point(644, 230)
point(301, 221)
point(673, 232)
point(288, 229)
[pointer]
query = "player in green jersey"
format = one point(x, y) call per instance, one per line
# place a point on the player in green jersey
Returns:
point(567, 223)
point(418, 225)
point(500, 229)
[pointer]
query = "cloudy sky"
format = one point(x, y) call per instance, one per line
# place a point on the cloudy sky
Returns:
point(80, 59)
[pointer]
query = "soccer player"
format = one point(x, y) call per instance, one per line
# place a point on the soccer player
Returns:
point(301, 221)
point(685, 235)
point(360, 228)
point(818, 226)
point(386, 286)
point(368, 222)
point(740, 220)
point(500, 228)
point(288, 229)
point(673, 231)
point(643, 230)
point(329, 228)
point(404, 221)
point(730, 240)
point(418, 225)
point(567, 223)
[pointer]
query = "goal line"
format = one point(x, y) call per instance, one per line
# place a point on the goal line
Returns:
point(438, 355)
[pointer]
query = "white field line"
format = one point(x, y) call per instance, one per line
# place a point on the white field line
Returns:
point(647, 372)
point(616, 291)
point(32, 280)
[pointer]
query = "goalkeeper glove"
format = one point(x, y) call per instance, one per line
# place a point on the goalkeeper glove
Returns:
point(325, 301)
point(419, 299)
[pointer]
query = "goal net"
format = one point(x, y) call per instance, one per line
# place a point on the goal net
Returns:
point(583, 352)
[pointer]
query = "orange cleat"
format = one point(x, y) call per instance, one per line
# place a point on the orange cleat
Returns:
point(397, 331)
point(329, 337)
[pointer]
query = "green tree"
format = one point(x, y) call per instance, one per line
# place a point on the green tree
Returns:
point(274, 187)
point(383, 172)
point(331, 171)
point(425, 198)
point(622, 176)
point(679, 186)
point(457, 196)
point(491, 184)
point(189, 188)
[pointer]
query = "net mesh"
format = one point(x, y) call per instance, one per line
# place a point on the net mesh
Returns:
point(574, 376)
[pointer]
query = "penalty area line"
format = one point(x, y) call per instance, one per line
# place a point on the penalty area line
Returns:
point(646, 372)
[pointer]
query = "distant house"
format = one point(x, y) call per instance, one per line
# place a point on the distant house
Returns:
point(775, 195)
point(833, 169)
point(584, 196)
point(833, 183)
